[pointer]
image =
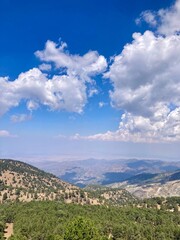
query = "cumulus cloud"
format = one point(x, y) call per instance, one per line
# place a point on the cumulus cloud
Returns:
point(146, 73)
point(166, 20)
point(84, 67)
point(146, 82)
point(146, 86)
point(57, 93)
point(68, 90)
point(141, 129)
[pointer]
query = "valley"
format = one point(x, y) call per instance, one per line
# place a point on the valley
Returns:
point(142, 178)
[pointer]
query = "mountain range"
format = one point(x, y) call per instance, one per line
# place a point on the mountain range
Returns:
point(105, 172)
point(142, 178)
point(116, 181)
point(22, 182)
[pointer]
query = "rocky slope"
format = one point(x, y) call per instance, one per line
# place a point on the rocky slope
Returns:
point(152, 185)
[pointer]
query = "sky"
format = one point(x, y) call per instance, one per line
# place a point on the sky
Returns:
point(89, 79)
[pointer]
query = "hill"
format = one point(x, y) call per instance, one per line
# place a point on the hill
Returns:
point(111, 196)
point(22, 182)
point(141, 178)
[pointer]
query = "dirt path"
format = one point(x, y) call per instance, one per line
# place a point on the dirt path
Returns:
point(9, 230)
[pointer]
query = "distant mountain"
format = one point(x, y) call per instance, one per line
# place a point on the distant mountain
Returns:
point(147, 185)
point(145, 178)
point(142, 177)
point(103, 172)
point(175, 176)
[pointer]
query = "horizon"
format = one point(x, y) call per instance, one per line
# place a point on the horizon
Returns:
point(63, 160)
point(94, 79)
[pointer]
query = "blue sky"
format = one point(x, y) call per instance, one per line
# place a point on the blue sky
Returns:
point(81, 79)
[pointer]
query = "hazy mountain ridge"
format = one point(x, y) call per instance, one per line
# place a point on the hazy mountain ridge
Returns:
point(103, 172)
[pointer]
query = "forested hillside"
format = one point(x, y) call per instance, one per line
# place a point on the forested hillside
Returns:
point(52, 220)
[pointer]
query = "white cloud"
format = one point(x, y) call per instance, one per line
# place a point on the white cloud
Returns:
point(68, 91)
point(32, 105)
point(170, 19)
point(45, 67)
point(147, 16)
point(102, 104)
point(146, 73)
point(92, 92)
point(59, 93)
point(8, 96)
point(83, 67)
point(5, 133)
point(21, 117)
point(141, 129)
point(166, 20)
point(146, 82)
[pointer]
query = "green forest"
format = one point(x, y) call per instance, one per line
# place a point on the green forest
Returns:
point(54, 220)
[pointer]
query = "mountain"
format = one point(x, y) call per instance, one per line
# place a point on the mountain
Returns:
point(147, 185)
point(141, 178)
point(103, 172)
point(133, 179)
point(22, 182)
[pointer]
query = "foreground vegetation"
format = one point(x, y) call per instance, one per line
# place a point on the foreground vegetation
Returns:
point(51, 220)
